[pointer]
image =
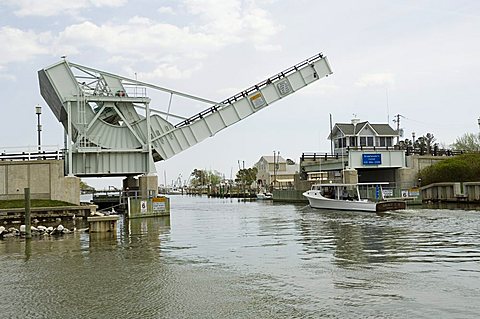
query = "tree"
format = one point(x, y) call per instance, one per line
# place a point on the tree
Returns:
point(199, 178)
point(203, 177)
point(425, 144)
point(467, 142)
point(405, 145)
point(247, 175)
point(462, 168)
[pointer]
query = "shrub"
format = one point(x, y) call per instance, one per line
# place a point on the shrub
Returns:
point(463, 168)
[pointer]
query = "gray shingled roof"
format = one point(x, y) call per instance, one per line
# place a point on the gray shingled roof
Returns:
point(349, 129)
point(384, 129)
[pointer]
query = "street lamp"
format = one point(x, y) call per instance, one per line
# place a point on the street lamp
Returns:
point(38, 111)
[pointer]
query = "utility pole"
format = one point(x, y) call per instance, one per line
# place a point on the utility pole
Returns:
point(274, 170)
point(397, 120)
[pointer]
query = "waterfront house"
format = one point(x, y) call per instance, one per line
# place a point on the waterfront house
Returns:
point(275, 171)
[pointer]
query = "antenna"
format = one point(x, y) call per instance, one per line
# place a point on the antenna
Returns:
point(388, 110)
point(331, 135)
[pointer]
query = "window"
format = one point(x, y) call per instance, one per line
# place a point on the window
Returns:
point(363, 141)
point(366, 141)
point(341, 142)
point(370, 141)
point(353, 141)
point(385, 141)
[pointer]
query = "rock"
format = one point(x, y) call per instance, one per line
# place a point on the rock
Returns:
point(97, 214)
point(22, 228)
point(6, 235)
point(2, 229)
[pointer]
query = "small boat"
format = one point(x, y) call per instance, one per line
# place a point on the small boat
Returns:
point(264, 195)
point(347, 197)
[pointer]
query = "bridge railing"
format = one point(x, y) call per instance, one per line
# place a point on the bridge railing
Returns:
point(28, 153)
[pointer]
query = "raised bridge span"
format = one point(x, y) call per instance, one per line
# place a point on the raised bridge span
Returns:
point(113, 131)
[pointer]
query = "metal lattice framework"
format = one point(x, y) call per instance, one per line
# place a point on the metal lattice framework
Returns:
point(112, 130)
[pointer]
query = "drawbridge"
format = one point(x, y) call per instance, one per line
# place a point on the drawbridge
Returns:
point(112, 130)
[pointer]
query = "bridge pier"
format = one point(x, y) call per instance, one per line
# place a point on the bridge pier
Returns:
point(148, 186)
point(102, 224)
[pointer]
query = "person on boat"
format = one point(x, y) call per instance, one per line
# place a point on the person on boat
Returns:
point(328, 192)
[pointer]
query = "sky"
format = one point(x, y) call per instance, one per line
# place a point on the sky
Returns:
point(419, 59)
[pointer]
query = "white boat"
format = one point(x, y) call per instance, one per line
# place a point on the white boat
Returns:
point(347, 197)
point(264, 195)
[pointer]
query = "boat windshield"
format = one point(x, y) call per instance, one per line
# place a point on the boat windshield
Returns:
point(342, 192)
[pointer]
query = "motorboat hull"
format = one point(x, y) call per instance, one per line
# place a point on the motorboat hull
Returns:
point(316, 200)
point(264, 196)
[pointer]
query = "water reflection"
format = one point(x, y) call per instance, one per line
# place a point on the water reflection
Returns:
point(410, 236)
point(221, 258)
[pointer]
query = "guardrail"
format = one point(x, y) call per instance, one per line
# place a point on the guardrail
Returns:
point(28, 156)
point(408, 151)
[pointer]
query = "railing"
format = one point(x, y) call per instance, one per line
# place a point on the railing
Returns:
point(319, 156)
point(408, 151)
point(435, 152)
point(243, 94)
point(28, 153)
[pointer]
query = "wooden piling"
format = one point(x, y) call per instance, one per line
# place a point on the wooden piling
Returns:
point(28, 220)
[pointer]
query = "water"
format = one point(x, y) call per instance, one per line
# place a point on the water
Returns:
point(221, 258)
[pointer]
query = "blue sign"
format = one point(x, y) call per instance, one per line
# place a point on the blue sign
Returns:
point(372, 159)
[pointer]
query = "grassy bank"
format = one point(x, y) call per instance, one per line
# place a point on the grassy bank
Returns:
point(20, 203)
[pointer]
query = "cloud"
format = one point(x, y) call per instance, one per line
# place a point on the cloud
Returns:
point(56, 7)
point(165, 49)
point(20, 46)
point(376, 79)
point(236, 21)
point(174, 50)
point(168, 10)
point(138, 38)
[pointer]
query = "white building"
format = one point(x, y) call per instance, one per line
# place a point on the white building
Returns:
point(275, 171)
point(359, 135)
point(362, 152)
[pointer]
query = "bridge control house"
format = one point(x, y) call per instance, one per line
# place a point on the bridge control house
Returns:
point(362, 152)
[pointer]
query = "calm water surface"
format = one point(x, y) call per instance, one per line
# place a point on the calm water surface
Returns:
point(221, 258)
